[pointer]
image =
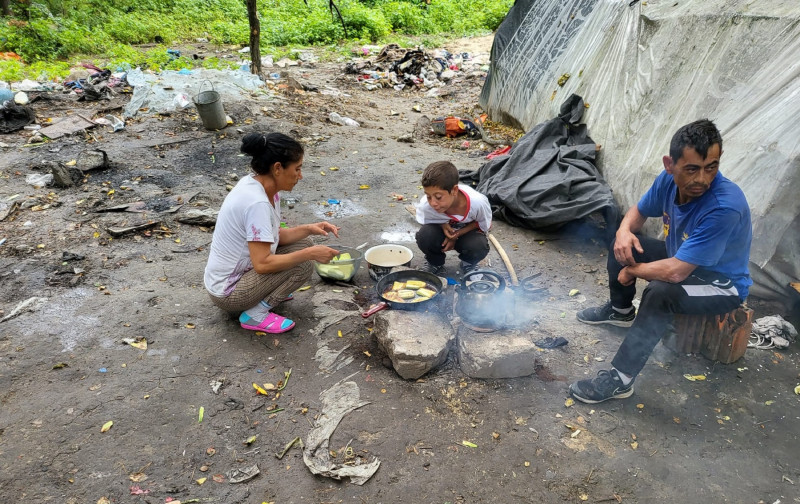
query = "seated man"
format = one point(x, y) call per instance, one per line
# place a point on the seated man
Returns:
point(702, 268)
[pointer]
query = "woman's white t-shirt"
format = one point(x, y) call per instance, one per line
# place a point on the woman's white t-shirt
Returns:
point(245, 216)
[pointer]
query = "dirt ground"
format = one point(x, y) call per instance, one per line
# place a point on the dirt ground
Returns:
point(65, 370)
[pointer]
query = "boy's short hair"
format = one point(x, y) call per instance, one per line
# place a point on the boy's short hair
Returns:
point(441, 174)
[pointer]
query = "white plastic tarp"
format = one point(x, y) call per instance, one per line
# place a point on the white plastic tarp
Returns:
point(647, 68)
point(170, 90)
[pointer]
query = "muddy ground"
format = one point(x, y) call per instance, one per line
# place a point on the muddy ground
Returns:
point(65, 370)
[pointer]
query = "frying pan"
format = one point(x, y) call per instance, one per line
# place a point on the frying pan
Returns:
point(403, 276)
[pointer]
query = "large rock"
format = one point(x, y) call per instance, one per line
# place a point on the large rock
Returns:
point(416, 342)
point(506, 354)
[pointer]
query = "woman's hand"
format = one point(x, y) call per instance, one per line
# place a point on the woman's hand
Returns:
point(321, 253)
point(323, 228)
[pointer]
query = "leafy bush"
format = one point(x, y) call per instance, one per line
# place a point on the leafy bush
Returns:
point(56, 30)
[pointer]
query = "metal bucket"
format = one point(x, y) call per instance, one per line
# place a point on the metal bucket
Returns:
point(209, 106)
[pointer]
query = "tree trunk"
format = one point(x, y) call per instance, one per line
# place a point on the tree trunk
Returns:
point(5, 7)
point(255, 37)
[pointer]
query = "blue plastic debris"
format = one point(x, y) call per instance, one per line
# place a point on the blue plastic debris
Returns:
point(102, 370)
point(333, 201)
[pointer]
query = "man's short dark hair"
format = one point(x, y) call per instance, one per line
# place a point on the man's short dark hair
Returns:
point(441, 174)
point(699, 135)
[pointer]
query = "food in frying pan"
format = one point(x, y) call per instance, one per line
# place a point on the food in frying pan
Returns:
point(410, 291)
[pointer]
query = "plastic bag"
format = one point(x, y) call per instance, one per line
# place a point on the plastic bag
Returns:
point(39, 180)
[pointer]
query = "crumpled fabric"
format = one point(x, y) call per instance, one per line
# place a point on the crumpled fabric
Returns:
point(337, 401)
point(549, 176)
point(772, 332)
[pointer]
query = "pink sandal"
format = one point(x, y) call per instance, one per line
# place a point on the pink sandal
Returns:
point(273, 324)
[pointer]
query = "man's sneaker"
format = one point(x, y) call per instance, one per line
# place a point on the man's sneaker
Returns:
point(432, 268)
point(467, 268)
point(606, 314)
point(607, 385)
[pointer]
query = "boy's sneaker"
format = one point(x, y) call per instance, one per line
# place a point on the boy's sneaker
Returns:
point(432, 268)
point(606, 314)
point(467, 268)
point(607, 385)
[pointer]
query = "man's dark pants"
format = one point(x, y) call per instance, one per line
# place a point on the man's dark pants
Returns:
point(702, 293)
point(471, 247)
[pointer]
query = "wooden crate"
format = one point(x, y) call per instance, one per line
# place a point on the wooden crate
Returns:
point(721, 338)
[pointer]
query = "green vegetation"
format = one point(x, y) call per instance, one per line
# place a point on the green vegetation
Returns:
point(50, 34)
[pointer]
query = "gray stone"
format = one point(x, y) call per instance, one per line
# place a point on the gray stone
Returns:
point(507, 354)
point(416, 342)
point(64, 176)
point(92, 160)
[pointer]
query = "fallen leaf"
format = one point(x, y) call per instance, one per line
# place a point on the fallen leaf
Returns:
point(140, 342)
point(137, 477)
point(334, 168)
point(304, 288)
point(200, 481)
point(259, 389)
point(797, 390)
point(769, 403)
point(640, 406)
point(496, 435)
point(219, 478)
point(468, 444)
point(694, 377)
point(210, 451)
point(363, 186)
point(107, 426)
point(366, 352)
point(383, 391)
point(339, 333)
point(60, 365)
point(527, 464)
point(569, 402)
point(574, 292)
point(251, 439)
point(575, 434)
point(103, 500)
point(190, 326)
point(635, 445)
point(676, 420)
point(200, 415)
point(583, 497)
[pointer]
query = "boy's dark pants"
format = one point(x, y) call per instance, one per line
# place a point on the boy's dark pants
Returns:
point(701, 293)
point(471, 247)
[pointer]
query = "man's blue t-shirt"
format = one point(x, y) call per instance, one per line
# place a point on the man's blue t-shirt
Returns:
point(712, 232)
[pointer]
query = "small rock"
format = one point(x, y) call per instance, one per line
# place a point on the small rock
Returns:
point(407, 138)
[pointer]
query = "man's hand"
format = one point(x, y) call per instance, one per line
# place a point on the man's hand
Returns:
point(449, 244)
point(625, 277)
point(624, 245)
point(322, 228)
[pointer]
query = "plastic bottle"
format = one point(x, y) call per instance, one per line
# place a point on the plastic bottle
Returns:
point(344, 121)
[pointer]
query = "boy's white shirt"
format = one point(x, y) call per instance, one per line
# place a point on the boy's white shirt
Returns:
point(478, 210)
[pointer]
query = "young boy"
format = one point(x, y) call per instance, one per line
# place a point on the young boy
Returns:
point(453, 216)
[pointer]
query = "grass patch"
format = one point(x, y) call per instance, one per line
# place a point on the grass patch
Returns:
point(51, 34)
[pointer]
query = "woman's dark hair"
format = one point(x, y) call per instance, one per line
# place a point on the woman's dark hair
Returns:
point(269, 149)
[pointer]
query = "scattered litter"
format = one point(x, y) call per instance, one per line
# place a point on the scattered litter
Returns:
point(344, 121)
point(242, 475)
point(29, 305)
point(215, 386)
point(574, 292)
point(339, 400)
point(200, 414)
point(14, 117)
point(551, 342)
point(39, 180)
point(772, 332)
point(106, 426)
point(469, 444)
point(67, 126)
point(139, 342)
point(136, 490)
